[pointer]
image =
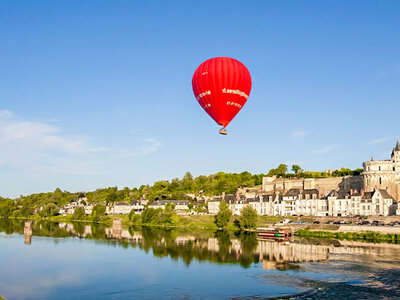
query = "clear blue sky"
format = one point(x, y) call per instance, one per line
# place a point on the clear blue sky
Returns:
point(98, 93)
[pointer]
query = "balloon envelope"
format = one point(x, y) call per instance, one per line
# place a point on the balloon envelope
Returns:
point(221, 86)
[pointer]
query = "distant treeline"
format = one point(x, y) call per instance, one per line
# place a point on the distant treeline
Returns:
point(176, 189)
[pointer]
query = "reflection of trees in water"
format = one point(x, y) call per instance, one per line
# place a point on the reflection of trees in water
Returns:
point(224, 243)
point(10, 226)
point(220, 246)
point(79, 228)
point(98, 231)
point(249, 243)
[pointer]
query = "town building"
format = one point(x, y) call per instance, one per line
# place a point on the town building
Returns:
point(353, 203)
point(213, 206)
point(384, 174)
point(176, 204)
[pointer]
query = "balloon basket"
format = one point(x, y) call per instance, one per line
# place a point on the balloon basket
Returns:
point(223, 131)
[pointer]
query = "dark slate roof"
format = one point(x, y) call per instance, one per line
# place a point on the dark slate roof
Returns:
point(342, 194)
point(292, 192)
point(310, 192)
point(367, 195)
point(163, 202)
point(397, 146)
point(253, 200)
point(230, 197)
point(265, 198)
point(215, 199)
point(385, 194)
point(333, 193)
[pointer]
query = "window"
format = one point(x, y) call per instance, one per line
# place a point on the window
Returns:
point(380, 180)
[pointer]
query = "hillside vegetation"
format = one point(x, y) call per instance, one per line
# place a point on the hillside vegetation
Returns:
point(175, 189)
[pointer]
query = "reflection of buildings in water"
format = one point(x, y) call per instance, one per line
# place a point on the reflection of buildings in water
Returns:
point(184, 239)
point(28, 232)
point(68, 227)
point(273, 255)
point(117, 229)
point(271, 251)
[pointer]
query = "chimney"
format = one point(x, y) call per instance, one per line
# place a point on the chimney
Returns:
point(362, 192)
point(351, 191)
point(237, 195)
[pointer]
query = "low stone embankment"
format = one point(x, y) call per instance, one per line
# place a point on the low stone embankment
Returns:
point(378, 229)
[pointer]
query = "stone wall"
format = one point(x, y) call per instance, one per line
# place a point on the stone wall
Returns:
point(324, 185)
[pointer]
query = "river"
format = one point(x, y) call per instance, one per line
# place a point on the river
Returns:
point(42, 260)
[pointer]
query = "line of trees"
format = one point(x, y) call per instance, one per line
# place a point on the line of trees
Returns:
point(298, 172)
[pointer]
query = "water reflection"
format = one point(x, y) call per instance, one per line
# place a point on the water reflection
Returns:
point(220, 247)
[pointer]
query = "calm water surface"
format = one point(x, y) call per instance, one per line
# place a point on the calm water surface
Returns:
point(74, 261)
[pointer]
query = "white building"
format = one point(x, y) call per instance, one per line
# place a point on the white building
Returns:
point(177, 204)
point(353, 203)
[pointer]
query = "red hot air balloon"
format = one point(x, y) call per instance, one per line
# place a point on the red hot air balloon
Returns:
point(222, 86)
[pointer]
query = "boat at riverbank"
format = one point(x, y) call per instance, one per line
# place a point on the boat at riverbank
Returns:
point(276, 234)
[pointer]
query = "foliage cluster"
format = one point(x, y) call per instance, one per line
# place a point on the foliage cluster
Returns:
point(151, 216)
point(224, 215)
point(249, 218)
point(298, 172)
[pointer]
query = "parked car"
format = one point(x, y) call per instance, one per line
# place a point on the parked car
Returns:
point(286, 221)
point(374, 223)
point(316, 222)
point(330, 222)
point(365, 223)
point(357, 223)
point(344, 222)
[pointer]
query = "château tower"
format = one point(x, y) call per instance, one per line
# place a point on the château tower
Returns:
point(384, 174)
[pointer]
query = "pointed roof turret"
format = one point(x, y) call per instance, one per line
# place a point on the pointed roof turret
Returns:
point(397, 146)
point(372, 158)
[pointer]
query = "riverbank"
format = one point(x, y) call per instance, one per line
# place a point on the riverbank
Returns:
point(183, 221)
point(207, 222)
point(368, 236)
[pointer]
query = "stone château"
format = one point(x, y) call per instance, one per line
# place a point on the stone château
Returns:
point(383, 174)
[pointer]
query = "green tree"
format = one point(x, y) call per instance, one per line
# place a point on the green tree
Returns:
point(296, 169)
point(6, 208)
point(224, 214)
point(248, 218)
point(149, 215)
point(188, 176)
point(49, 210)
point(98, 213)
point(279, 171)
point(79, 213)
point(282, 169)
